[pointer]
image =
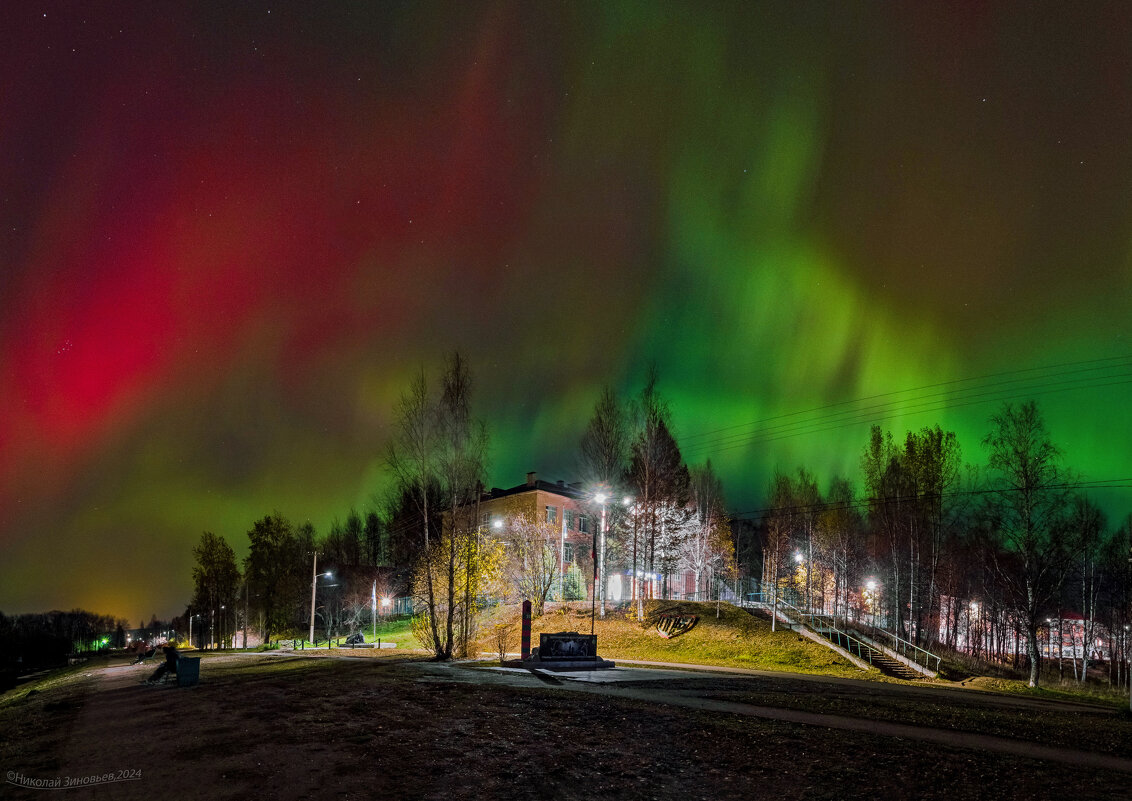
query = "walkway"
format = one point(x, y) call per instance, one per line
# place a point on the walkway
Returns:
point(609, 683)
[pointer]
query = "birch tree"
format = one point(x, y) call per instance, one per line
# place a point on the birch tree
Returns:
point(1031, 492)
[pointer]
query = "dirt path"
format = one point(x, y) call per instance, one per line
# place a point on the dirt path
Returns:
point(106, 741)
point(296, 727)
point(593, 682)
point(925, 690)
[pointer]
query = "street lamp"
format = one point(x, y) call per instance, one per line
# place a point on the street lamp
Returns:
point(870, 599)
point(314, 581)
point(599, 566)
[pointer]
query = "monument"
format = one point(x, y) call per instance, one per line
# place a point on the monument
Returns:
point(566, 650)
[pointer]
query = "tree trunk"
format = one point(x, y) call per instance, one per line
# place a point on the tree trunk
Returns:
point(1032, 649)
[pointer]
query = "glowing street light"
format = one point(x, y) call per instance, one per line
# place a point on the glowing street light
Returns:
point(314, 582)
point(599, 565)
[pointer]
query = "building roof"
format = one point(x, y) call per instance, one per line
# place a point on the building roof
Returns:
point(533, 483)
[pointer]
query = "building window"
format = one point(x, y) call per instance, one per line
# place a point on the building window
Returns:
point(583, 524)
point(568, 514)
point(552, 514)
point(569, 556)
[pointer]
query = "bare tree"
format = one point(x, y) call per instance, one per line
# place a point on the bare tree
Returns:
point(412, 458)
point(779, 526)
point(1086, 530)
point(531, 546)
point(1031, 494)
point(661, 479)
point(708, 547)
point(838, 530)
point(439, 444)
point(605, 443)
point(462, 463)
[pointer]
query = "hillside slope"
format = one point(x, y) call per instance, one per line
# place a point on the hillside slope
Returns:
point(736, 639)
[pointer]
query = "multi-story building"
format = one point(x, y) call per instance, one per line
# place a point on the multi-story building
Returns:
point(558, 504)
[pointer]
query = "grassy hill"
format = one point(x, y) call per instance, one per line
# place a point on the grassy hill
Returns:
point(735, 639)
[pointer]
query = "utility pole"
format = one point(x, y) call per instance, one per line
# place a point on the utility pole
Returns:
point(314, 579)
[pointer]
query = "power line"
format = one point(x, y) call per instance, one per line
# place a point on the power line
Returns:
point(959, 398)
point(757, 439)
point(824, 506)
point(913, 389)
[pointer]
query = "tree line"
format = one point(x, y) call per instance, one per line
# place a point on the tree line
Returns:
point(428, 536)
point(931, 540)
point(1016, 533)
point(33, 641)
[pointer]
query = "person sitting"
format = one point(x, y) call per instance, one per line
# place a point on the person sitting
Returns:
point(168, 666)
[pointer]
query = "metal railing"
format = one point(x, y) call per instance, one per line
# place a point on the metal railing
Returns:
point(827, 627)
point(760, 595)
point(822, 624)
point(910, 651)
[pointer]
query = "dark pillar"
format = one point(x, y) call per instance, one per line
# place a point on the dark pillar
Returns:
point(526, 629)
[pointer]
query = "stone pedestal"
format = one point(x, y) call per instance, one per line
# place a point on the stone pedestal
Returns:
point(567, 650)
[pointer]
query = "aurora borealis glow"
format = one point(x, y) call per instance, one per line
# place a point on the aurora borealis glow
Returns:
point(230, 234)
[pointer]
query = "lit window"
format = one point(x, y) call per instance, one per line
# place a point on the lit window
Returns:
point(552, 514)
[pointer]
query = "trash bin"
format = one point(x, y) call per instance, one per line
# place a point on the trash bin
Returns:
point(188, 671)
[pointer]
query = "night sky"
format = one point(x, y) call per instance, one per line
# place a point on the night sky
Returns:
point(231, 232)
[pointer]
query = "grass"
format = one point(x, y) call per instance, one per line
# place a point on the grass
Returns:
point(1089, 693)
point(396, 630)
point(1098, 730)
point(56, 679)
point(735, 639)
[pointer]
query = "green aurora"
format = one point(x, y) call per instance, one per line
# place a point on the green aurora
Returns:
point(784, 207)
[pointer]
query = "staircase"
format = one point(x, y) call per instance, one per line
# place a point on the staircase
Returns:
point(864, 648)
point(890, 667)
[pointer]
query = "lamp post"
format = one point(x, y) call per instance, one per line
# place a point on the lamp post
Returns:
point(314, 577)
point(314, 582)
point(601, 552)
point(222, 621)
